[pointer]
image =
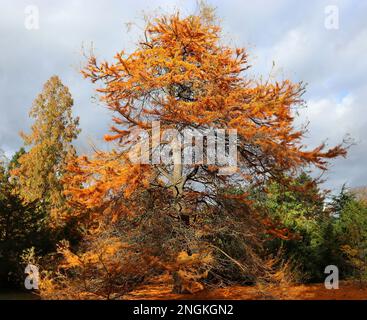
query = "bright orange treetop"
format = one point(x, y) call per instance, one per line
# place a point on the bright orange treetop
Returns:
point(182, 75)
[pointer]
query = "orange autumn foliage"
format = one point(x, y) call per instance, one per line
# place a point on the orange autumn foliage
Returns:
point(182, 75)
point(105, 172)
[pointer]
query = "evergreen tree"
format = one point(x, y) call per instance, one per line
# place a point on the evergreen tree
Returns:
point(40, 170)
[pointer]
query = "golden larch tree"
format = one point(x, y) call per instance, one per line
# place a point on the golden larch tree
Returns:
point(182, 75)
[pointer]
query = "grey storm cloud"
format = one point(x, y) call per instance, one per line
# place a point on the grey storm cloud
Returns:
point(291, 34)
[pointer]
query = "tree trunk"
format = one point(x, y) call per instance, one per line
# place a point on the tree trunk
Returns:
point(177, 181)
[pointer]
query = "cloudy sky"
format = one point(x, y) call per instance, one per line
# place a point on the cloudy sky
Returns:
point(305, 39)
